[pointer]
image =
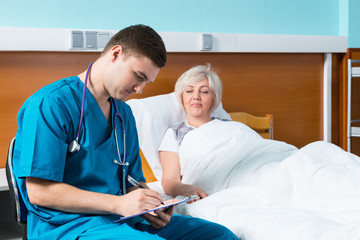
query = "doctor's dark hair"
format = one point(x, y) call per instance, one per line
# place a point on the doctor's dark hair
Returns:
point(196, 74)
point(140, 40)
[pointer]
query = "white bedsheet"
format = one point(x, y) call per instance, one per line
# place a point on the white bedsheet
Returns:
point(265, 189)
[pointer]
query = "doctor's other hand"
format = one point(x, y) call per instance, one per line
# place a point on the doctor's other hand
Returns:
point(137, 201)
point(160, 218)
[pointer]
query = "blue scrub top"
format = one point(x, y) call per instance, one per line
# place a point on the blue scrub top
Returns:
point(48, 122)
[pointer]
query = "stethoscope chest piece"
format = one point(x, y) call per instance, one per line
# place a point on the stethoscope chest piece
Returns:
point(74, 146)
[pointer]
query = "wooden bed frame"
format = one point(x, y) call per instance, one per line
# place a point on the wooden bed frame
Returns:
point(287, 85)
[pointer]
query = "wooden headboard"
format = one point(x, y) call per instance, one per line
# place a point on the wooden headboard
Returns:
point(287, 85)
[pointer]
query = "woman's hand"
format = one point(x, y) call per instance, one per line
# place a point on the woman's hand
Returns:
point(190, 190)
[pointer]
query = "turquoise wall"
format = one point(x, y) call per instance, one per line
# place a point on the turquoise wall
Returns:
point(308, 17)
point(354, 24)
point(343, 17)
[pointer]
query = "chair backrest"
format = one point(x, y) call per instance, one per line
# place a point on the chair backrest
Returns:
point(15, 197)
point(263, 125)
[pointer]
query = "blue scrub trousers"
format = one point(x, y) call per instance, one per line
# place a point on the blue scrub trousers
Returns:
point(179, 227)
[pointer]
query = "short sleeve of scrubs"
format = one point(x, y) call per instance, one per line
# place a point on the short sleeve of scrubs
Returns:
point(43, 139)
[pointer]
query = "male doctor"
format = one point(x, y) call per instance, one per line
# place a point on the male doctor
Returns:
point(75, 190)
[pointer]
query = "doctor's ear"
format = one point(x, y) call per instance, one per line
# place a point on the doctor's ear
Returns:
point(116, 52)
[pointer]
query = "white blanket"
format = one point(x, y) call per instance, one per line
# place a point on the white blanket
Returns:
point(264, 189)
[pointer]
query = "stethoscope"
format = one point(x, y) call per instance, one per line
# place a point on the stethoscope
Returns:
point(74, 146)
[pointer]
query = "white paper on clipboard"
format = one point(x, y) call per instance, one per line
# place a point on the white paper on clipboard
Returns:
point(159, 207)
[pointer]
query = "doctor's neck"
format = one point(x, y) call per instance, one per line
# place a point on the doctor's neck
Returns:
point(94, 83)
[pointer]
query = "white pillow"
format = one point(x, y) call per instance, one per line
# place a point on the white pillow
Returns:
point(154, 115)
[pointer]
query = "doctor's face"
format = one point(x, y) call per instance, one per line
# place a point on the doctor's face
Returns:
point(197, 99)
point(129, 74)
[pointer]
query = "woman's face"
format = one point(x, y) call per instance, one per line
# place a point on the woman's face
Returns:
point(197, 99)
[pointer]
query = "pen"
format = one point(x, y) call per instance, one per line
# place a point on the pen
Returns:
point(136, 184)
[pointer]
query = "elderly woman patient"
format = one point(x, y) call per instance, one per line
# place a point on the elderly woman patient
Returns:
point(258, 188)
point(199, 90)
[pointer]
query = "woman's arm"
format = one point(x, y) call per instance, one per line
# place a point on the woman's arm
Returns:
point(171, 177)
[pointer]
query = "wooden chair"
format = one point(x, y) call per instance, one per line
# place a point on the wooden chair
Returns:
point(262, 125)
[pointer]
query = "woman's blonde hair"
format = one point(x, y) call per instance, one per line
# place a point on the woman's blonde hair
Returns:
point(196, 74)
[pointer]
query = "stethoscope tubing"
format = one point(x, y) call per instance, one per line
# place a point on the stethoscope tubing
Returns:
point(83, 102)
point(117, 114)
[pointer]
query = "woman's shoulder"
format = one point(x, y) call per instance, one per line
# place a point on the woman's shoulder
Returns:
point(180, 130)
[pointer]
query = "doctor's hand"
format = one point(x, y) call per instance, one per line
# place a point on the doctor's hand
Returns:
point(160, 218)
point(137, 201)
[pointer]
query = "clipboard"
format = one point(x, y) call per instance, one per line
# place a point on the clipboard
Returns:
point(186, 199)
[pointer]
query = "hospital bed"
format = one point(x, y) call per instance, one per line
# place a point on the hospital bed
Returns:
point(259, 188)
